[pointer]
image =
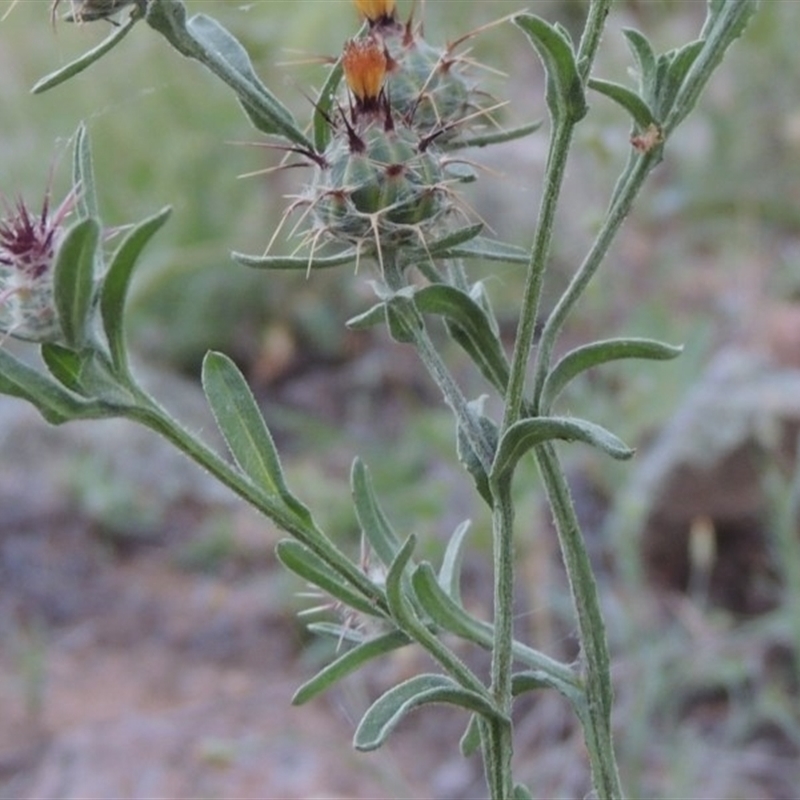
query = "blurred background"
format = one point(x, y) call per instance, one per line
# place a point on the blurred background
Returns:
point(149, 643)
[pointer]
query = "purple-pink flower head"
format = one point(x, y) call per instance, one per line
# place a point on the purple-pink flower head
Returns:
point(28, 247)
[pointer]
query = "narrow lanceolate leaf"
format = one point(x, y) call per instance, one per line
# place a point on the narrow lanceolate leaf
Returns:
point(241, 423)
point(374, 524)
point(450, 571)
point(324, 106)
point(627, 99)
point(645, 57)
point(495, 137)
point(205, 40)
point(117, 282)
point(303, 263)
point(83, 175)
point(487, 249)
point(310, 567)
point(564, 89)
point(73, 280)
point(592, 355)
point(450, 240)
point(87, 59)
point(470, 327)
point(54, 403)
point(388, 710)
point(64, 365)
point(349, 663)
point(526, 434)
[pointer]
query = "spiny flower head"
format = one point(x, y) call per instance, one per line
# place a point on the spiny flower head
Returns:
point(377, 12)
point(364, 62)
point(28, 247)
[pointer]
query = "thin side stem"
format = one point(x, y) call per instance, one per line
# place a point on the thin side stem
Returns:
point(437, 368)
point(152, 415)
point(592, 34)
point(624, 196)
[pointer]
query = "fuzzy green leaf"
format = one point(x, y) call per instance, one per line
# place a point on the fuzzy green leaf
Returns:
point(522, 792)
point(471, 738)
point(296, 262)
point(323, 106)
point(467, 455)
point(470, 327)
point(205, 40)
point(526, 434)
point(83, 175)
point(87, 59)
point(592, 355)
point(495, 137)
point(368, 319)
point(374, 524)
point(117, 282)
point(488, 249)
point(628, 99)
point(389, 709)
point(64, 365)
point(241, 423)
point(310, 567)
point(564, 92)
point(450, 571)
point(73, 280)
point(645, 58)
point(348, 663)
point(54, 403)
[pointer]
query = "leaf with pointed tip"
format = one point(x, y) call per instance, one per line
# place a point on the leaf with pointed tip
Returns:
point(526, 434)
point(374, 524)
point(451, 239)
point(564, 92)
point(495, 137)
point(470, 460)
point(323, 106)
point(592, 355)
point(54, 403)
point(642, 51)
point(471, 738)
point(73, 280)
point(296, 262)
point(117, 281)
point(64, 365)
point(397, 585)
point(628, 99)
point(348, 663)
point(83, 175)
point(389, 709)
point(450, 571)
point(342, 633)
point(87, 59)
point(470, 327)
point(488, 249)
point(368, 319)
point(679, 62)
point(310, 567)
point(246, 434)
point(224, 54)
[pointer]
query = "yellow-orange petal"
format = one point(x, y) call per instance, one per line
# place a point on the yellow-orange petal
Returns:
point(364, 63)
point(375, 10)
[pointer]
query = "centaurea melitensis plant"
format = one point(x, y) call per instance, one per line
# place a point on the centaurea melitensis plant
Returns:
point(382, 148)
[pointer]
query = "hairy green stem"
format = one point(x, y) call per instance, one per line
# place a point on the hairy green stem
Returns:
point(592, 34)
point(501, 736)
point(591, 628)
